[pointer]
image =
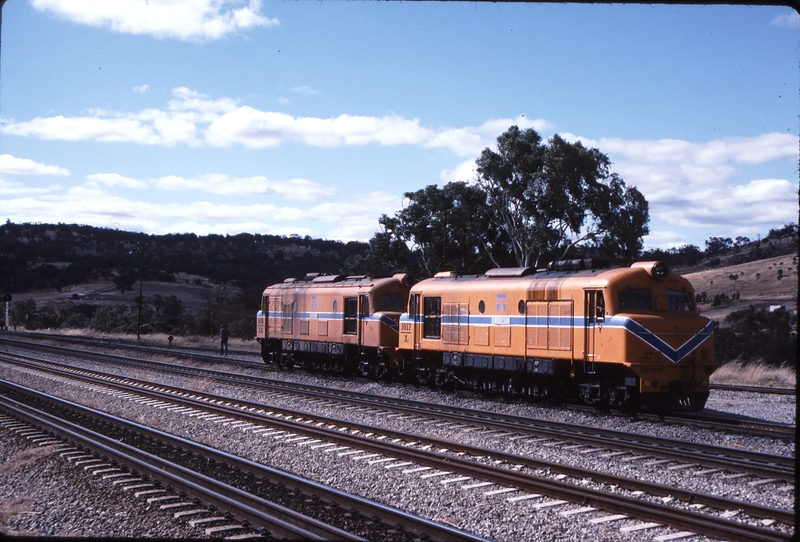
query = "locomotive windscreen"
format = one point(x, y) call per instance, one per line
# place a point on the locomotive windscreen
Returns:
point(679, 301)
point(639, 299)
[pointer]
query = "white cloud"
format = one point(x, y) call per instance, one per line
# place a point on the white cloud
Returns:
point(18, 189)
point(354, 217)
point(224, 185)
point(141, 89)
point(114, 180)
point(22, 166)
point(85, 128)
point(305, 90)
point(465, 171)
point(193, 20)
point(790, 19)
point(194, 119)
point(664, 239)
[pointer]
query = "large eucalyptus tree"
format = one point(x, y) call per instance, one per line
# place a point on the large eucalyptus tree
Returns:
point(549, 196)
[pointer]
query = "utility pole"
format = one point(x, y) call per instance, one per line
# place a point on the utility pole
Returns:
point(7, 299)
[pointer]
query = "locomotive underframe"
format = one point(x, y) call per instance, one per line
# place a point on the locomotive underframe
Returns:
point(329, 357)
point(609, 385)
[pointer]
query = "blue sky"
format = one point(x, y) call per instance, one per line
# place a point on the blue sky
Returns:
point(313, 118)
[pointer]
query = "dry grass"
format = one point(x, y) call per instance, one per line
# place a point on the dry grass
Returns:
point(755, 374)
point(159, 339)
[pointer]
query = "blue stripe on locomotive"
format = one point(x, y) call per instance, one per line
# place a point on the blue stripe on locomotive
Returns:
point(337, 317)
point(674, 355)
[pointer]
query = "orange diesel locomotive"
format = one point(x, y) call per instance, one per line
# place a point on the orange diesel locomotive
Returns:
point(621, 337)
point(624, 337)
point(332, 322)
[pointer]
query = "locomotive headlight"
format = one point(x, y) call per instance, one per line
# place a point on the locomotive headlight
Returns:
point(646, 383)
point(660, 270)
point(705, 383)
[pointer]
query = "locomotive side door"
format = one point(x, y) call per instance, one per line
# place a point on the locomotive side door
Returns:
point(273, 320)
point(363, 316)
point(414, 312)
point(593, 319)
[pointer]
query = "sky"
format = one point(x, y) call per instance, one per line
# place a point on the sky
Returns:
point(315, 117)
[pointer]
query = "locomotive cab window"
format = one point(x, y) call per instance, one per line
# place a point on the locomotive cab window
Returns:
point(432, 328)
point(679, 301)
point(600, 307)
point(638, 299)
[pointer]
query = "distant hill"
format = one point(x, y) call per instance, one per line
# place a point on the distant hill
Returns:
point(761, 283)
point(60, 256)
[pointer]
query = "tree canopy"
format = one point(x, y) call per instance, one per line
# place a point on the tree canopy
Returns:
point(533, 201)
point(550, 196)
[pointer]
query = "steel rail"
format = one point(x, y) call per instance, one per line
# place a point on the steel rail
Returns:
point(257, 512)
point(185, 351)
point(754, 389)
point(389, 515)
point(760, 463)
point(649, 511)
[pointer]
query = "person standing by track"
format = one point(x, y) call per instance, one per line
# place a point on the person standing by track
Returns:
point(223, 340)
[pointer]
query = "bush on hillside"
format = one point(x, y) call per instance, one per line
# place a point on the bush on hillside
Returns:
point(757, 335)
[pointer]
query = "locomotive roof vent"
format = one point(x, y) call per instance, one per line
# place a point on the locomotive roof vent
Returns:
point(577, 265)
point(326, 278)
point(658, 270)
point(510, 272)
point(290, 280)
point(446, 274)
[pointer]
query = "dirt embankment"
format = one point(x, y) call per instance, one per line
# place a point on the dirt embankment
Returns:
point(762, 283)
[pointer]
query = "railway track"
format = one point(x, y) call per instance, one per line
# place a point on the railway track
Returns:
point(327, 430)
point(724, 423)
point(635, 446)
point(595, 440)
point(754, 389)
point(47, 413)
point(208, 354)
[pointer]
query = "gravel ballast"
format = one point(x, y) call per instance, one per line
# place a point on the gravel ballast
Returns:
point(490, 516)
point(44, 495)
